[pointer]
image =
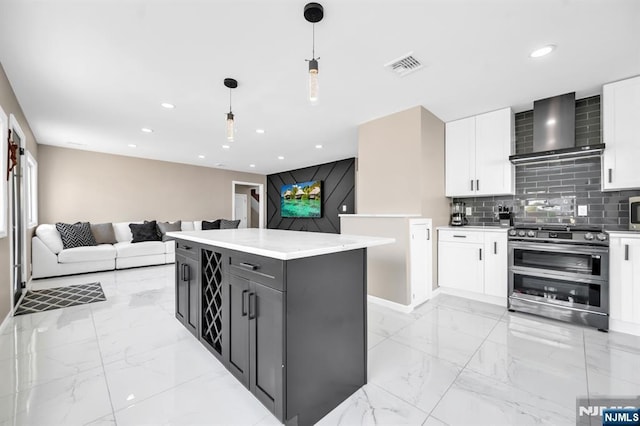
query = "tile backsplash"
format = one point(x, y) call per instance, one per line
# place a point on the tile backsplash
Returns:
point(551, 192)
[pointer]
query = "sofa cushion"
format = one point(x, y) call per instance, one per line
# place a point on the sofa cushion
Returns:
point(144, 248)
point(87, 254)
point(229, 224)
point(123, 232)
point(210, 225)
point(103, 233)
point(144, 232)
point(170, 246)
point(75, 235)
point(165, 227)
point(187, 226)
point(50, 236)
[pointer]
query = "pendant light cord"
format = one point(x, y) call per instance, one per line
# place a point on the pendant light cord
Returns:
point(313, 42)
point(230, 100)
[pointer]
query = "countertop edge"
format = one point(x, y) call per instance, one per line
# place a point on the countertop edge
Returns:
point(472, 228)
point(372, 242)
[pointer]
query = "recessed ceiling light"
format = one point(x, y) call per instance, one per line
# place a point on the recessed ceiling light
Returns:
point(252, 165)
point(225, 147)
point(545, 50)
point(132, 145)
point(167, 105)
point(147, 130)
point(280, 157)
point(260, 131)
point(201, 156)
point(318, 146)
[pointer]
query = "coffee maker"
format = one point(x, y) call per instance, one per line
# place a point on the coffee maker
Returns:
point(458, 214)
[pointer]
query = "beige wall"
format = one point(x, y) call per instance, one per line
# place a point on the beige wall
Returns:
point(401, 171)
point(10, 105)
point(87, 186)
point(389, 161)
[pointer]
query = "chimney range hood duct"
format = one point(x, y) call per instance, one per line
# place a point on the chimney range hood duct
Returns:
point(554, 139)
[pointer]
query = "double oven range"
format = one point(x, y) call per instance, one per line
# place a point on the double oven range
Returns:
point(561, 273)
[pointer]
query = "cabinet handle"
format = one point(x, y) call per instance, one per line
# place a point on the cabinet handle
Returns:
point(244, 306)
point(495, 247)
point(610, 175)
point(472, 184)
point(477, 184)
point(252, 306)
point(248, 266)
point(459, 236)
point(626, 252)
point(186, 247)
point(480, 254)
point(186, 275)
point(428, 234)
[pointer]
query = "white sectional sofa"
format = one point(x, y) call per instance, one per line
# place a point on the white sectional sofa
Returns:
point(50, 259)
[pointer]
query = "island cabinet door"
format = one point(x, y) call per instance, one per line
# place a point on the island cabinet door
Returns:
point(182, 295)
point(238, 318)
point(187, 295)
point(266, 325)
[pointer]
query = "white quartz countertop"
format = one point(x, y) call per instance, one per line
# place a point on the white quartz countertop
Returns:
point(633, 234)
point(280, 244)
point(473, 228)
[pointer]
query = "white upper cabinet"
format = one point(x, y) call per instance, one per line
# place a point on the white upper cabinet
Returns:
point(477, 155)
point(621, 134)
point(460, 156)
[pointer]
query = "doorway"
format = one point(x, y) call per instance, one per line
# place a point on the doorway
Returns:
point(247, 204)
point(17, 269)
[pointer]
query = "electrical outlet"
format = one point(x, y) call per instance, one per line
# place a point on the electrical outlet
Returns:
point(469, 211)
point(582, 210)
point(344, 207)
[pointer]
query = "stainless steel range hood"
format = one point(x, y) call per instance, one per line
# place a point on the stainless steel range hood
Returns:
point(554, 124)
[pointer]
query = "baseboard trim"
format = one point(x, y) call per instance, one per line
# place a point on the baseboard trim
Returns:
point(624, 327)
point(391, 305)
point(494, 300)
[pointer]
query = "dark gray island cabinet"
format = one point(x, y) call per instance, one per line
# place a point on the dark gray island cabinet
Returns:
point(284, 311)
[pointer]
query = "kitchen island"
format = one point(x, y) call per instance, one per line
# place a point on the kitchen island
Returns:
point(284, 311)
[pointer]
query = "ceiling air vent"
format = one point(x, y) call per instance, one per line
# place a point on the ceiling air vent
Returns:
point(404, 65)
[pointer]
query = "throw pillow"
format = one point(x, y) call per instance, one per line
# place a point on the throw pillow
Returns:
point(144, 232)
point(210, 225)
point(165, 227)
point(103, 233)
point(75, 235)
point(229, 224)
point(157, 229)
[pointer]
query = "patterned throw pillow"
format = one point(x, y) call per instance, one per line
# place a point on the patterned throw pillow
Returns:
point(206, 225)
point(229, 224)
point(144, 232)
point(76, 235)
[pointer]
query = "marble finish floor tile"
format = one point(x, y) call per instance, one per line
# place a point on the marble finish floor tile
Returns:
point(475, 399)
point(212, 399)
point(452, 361)
point(410, 374)
point(74, 400)
point(140, 376)
point(371, 405)
point(440, 341)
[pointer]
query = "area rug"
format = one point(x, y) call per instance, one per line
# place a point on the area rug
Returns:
point(60, 297)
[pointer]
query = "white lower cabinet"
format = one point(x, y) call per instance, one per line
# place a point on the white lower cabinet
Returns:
point(473, 262)
point(624, 283)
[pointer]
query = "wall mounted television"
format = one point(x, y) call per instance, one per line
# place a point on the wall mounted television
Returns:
point(301, 200)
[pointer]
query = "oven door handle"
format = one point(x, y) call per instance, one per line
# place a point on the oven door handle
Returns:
point(560, 248)
point(541, 274)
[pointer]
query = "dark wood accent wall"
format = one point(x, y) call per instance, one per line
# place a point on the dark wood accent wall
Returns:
point(338, 189)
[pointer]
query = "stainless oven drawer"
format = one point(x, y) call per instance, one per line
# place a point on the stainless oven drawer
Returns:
point(598, 320)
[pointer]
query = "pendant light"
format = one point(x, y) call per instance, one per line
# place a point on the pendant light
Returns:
point(231, 84)
point(313, 12)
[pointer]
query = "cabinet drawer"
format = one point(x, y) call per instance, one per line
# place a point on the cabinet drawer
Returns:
point(263, 270)
point(460, 236)
point(187, 248)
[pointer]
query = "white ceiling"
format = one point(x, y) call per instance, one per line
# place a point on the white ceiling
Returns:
point(94, 72)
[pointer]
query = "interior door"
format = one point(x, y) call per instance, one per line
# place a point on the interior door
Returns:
point(420, 260)
point(241, 209)
point(17, 217)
